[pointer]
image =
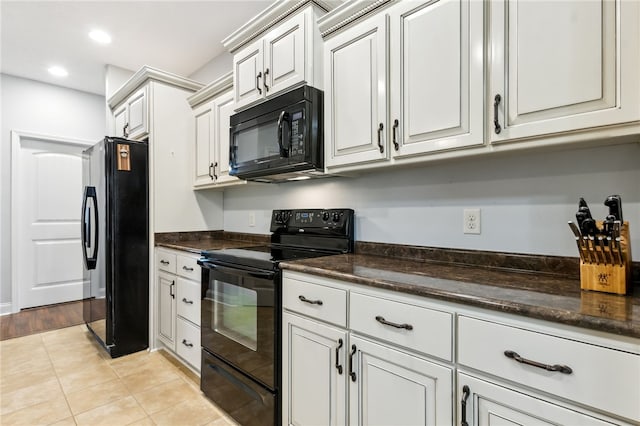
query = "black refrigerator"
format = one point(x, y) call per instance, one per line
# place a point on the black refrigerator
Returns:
point(115, 243)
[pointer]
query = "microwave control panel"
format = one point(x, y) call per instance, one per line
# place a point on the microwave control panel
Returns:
point(297, 133)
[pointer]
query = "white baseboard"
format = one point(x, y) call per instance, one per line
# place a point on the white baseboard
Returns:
point(6, 308)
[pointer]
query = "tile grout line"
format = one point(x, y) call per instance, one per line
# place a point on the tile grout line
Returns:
point(64, 394)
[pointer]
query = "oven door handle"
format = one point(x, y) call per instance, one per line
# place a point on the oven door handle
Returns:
point(245, 271)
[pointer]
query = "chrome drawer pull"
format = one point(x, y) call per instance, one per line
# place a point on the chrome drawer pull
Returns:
point(560, 368)
point(187, 344)
point(188, 302)
point(381, 320)
point(187, 268)
point(165, 262)
point(311, 302)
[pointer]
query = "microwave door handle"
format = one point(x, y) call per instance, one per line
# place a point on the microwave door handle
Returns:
point(282, 136)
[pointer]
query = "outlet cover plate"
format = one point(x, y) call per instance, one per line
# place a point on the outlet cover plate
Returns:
point(471, 221)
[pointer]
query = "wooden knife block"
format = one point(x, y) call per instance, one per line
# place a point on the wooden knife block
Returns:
point(607, 277)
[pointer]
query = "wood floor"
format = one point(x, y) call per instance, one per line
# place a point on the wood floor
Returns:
point(37, 320)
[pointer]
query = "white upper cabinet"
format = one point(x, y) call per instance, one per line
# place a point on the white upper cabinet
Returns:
point(131, 117)
point(405, 82)
point(436, 76)
point(212, 109)
point(562, 66)
point(286, 55)
point(355, 101)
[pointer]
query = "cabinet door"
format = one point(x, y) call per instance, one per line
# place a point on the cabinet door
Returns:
point(488, 404)
point(314, 372)
point(223, 110)
point(562, 66)
point(436, 76)
point(167, 309)
point(391, 387)
point(355, 94)
point(248, 76)
point(137, 107)
point(284, 55)
point(204, 148)
point(119, 120)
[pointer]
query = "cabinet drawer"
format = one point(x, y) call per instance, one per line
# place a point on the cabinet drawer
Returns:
point(188, 267)
point(603, 378)
point(166, 261)
point(317, 301)
point(188, 302)
point(430, 333)
point(188, 342)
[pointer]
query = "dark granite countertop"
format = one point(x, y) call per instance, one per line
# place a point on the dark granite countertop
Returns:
point(197, 242)
point(553, 297)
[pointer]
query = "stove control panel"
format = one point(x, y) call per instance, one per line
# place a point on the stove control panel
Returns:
point(311, 220)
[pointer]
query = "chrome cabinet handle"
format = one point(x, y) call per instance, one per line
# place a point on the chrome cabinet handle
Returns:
point(496, 123)
point(258, 82)
point(380, 127)
point(338, 366)
point(396, 145)
point(187, 343)
point(264, 82)
point(352, 373)
point(556, 367)
point(383, 321)
point(186, 268)
point(164, 262)
point(463, 405)
point(311, 302)
point(188, 302)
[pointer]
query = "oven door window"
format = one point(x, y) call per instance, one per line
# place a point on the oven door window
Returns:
point(235, 314)
point(240, 311)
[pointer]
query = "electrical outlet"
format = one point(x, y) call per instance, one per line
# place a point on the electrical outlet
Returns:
point(252, 219)
point(471, 221)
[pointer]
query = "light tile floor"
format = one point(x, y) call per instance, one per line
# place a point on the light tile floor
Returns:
point(63, 377)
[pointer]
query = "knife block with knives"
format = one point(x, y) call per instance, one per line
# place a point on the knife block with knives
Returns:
point(604, 248)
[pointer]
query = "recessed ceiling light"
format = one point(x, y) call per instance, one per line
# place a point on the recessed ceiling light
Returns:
point(58, 71)
point(100, 36)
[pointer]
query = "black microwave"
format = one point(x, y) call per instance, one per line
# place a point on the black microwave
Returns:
point(280, 139)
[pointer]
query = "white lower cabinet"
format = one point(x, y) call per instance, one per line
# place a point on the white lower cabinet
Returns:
point(314, 372)
point(334, 376)
point(488, 404)
point(178, 306)
point(393, 387)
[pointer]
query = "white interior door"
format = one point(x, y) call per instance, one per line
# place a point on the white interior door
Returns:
point(47, 197)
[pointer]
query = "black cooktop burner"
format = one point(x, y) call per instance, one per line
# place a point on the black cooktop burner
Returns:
point(262, 257)
point(296, 234)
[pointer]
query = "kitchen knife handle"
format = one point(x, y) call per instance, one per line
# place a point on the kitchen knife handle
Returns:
point(496, 123)
point(338, 366)
point(556, 367)
point(258, 82)
point(396, 145)
point(463, 405)
point(380, 127)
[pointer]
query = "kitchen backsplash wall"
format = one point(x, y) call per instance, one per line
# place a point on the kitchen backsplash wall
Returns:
point(526, 199)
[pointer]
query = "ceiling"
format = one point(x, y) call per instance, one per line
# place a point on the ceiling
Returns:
point(175, 36)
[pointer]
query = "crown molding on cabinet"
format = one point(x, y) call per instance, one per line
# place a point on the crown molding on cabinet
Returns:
point(269, 17)
point(147, 73)
point(212, 89)
point(347, 13)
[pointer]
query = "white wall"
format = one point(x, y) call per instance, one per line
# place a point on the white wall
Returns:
point(525, 198)
point(221, 64)
point(30, 106)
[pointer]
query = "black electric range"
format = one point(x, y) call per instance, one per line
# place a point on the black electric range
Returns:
point(241, 307)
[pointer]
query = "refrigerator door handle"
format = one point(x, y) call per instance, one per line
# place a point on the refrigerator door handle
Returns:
point(90, 261)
